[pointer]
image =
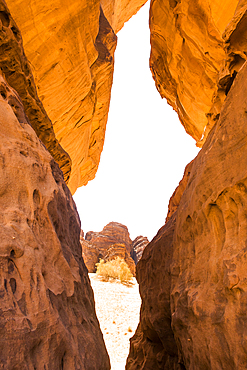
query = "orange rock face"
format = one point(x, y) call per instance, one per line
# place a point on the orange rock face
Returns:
point(70, 46)
point(193, 274)
point(195, 54)
point(47, 309)
point(17, 71)
point(118, 12)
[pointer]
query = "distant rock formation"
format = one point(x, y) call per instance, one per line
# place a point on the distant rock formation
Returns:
point(112, 241)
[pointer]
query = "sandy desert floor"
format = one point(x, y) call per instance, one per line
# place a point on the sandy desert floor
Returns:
point(117, 309)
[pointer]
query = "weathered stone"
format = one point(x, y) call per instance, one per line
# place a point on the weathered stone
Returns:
point(90, 254)
point(202, 302)
point(153, 345)
point(118, 12)
point(113, 241)
point(119, 250)
point(112, 233)
point(196, 50)
point(17, 71)
point(138, 246)
point(47, 315)
point(176, 196)
point(70, 47)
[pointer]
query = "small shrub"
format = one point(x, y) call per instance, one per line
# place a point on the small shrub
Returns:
point(115, 269)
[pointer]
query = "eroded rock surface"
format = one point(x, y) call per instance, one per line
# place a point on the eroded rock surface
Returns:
point(118, 12)
point(113, 241)
point(17, 71)
point(70, 46)
point(47, 315)
point(196, 50)
point(153, 345)
point(138, 246)
point(193, 274)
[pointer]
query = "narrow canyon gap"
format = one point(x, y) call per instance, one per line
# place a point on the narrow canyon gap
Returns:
point(135, 179)
point(56, 74)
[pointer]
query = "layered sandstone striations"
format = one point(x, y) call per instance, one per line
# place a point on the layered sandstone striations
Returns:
point(113, 241)
point(196, 50)
point(47, 318)
point(138, 246)
point(193, 274)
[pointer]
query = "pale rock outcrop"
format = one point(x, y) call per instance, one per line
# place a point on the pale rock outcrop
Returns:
point(138, 246)
point(47, 314)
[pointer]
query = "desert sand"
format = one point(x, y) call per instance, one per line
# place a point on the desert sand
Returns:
point(117, 309)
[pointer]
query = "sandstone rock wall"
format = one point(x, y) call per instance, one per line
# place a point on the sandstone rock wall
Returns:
point(70, 46)
point(138, 246)
point(17, 71)
point(118, 12)
point(197, 47)
point(114, 232)
point(192, 275)
point(47, 314)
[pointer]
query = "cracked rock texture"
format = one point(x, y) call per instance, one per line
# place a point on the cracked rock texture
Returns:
point(192, 276)
point(47, 314)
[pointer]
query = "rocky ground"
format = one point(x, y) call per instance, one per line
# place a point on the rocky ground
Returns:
point(117, 308)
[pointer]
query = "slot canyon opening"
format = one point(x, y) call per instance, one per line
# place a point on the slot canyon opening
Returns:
point(145, 153)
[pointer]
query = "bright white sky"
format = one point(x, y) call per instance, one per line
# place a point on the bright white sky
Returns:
point(146, 148)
